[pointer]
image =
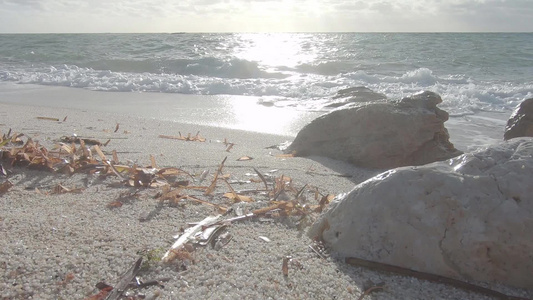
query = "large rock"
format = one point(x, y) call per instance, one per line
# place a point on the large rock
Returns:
point(380, 135)
point(468, 218)
point(521, 121)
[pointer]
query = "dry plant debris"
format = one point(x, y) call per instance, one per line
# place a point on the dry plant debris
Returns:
point(187, 138)
point(48, 118)
point(60, 189)
point(228, 145)
point(278, 194)
point(294, 205)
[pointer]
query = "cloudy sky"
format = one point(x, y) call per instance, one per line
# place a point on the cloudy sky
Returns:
point(21, 16)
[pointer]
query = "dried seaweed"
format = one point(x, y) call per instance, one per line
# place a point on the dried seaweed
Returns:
point(213, 184)
point(283, 197)
point(48, 119)
point(187, 138)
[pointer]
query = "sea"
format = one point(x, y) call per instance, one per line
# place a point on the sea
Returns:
point(471, 71)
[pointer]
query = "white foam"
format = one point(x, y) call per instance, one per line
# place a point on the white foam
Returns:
point(237, 77)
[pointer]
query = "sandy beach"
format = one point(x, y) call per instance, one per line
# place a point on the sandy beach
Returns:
point(59, 246)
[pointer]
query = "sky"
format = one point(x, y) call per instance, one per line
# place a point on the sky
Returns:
point(80, 16)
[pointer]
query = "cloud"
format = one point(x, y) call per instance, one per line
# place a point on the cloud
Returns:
point(251, 15)
point(13, 4)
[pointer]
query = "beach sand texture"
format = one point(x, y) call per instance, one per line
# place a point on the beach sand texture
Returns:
point(59, 246)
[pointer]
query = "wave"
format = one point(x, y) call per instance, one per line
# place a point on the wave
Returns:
point(461, 94)
point(204, 66)
point(324, 68)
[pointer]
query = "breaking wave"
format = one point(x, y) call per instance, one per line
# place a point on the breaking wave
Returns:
point(210, 65)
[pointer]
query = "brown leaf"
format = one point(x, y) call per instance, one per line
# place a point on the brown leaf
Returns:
point(116, 127)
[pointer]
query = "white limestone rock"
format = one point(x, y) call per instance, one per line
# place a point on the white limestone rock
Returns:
point(468, 218)
point(380, 134)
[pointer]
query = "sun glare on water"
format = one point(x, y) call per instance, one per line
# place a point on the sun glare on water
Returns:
point(273, 52)
point(246, 114)
point(274, 49)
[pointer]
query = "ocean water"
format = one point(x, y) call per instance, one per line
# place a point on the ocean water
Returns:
point(472, 71)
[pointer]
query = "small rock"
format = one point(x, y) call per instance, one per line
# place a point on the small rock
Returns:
point(521, 121)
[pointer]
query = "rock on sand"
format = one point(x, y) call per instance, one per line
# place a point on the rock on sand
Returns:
point(468, 218)
point(380, 134)
point(521, 121)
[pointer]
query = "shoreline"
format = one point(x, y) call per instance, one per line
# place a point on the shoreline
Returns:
point(50, 238)
point(467, 132)
point(226, 111)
